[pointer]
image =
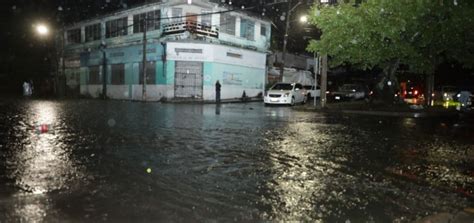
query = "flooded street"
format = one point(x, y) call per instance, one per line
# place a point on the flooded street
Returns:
point(92, 160)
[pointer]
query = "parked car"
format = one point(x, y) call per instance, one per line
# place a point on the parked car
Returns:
point(311, 91)
point(349, 92)
point(449, 92)
point(464, 98)
point(285, 93)
point(413, 95)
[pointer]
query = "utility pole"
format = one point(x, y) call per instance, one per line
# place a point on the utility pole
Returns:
point(316, 71)
point(59, 86)
point(104, 71)
point(144, 56)
point(285, 38)
point(324, 79)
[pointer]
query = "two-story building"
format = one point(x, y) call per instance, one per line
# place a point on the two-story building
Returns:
point(189, 46)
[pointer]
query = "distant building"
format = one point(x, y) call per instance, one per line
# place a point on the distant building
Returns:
point(300, 62)
point(189, 47)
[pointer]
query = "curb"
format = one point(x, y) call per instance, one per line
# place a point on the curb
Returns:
point(400, 114)
point(225, 101)
point(407, 114)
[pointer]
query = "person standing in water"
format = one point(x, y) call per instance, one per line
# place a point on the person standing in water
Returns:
point(218, 91)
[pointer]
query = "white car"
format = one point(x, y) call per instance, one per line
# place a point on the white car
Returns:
point(311, 92)
point(285, 93)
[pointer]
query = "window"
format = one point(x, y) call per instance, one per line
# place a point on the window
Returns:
point(263, 30)
point(153, 21)
point(93, 32)
point(235, 55)
point(177, 14)
point(150, 73)
point(247, 28)
point(206, 18)
point(227, 24)
point(94, 75)
point(73, 36)
point(118, 74)
point(117, 27)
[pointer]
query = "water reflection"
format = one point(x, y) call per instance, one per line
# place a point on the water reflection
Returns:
point(218, 109)
point(250, 163)
point(299, 177)
point(43, 163)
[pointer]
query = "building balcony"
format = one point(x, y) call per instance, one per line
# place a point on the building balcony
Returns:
point(190, 26)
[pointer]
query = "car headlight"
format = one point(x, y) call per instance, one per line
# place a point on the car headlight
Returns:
point(286, 95)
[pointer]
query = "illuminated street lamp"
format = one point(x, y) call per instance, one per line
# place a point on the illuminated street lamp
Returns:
point(42, 29)
point(291, 8)
point(304, 19)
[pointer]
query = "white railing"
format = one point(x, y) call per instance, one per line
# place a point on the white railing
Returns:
point(190, 26)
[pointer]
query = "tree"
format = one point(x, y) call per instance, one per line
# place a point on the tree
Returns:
point(385, 34)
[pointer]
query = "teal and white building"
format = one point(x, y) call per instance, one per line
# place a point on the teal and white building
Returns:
point(189, 46)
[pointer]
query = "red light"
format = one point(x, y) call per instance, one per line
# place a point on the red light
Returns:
point(416, 92)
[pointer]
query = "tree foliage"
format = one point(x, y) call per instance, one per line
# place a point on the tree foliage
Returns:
point(385, 33)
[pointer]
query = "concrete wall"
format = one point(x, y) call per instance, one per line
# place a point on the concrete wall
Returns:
point(236, 75)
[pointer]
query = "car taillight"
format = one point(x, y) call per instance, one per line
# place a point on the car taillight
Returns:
point(416, 92)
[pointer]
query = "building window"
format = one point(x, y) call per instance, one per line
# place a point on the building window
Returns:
point(150, 73)
point(206, 18)
point(227, 24)
point(94, 75)
point(263, 30)
point(116, 27)
point(177, 14)
point(118, 74)
point(73, 36)
point(235, 55)
point(93, 32)
point(247, 29)
point(153, 21)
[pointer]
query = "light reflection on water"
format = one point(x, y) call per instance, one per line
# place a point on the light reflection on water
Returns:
point(299, 177)
point(243, 163)
point(42, 164)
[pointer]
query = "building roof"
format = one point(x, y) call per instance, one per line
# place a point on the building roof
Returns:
point(145, 6)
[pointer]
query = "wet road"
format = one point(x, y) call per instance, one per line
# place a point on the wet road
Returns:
point(124, 161)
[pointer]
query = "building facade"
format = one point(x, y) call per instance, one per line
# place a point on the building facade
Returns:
point(189, 46)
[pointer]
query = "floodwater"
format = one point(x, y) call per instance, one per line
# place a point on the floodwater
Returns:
point(92, 160)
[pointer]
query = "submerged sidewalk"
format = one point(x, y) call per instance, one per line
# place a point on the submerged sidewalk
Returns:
point(379, 109)
point(222, 101)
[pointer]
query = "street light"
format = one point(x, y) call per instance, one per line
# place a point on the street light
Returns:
point(285, 39)
point(41, 29)
point(304, 19)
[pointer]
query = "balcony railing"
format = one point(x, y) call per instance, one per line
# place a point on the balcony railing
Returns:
point(190, 26)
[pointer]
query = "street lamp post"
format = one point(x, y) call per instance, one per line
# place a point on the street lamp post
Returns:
point(324, 79)
point(285, 38)
point(316, 71)
point(104, 70)
point(43, 31)
point(144, 24)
